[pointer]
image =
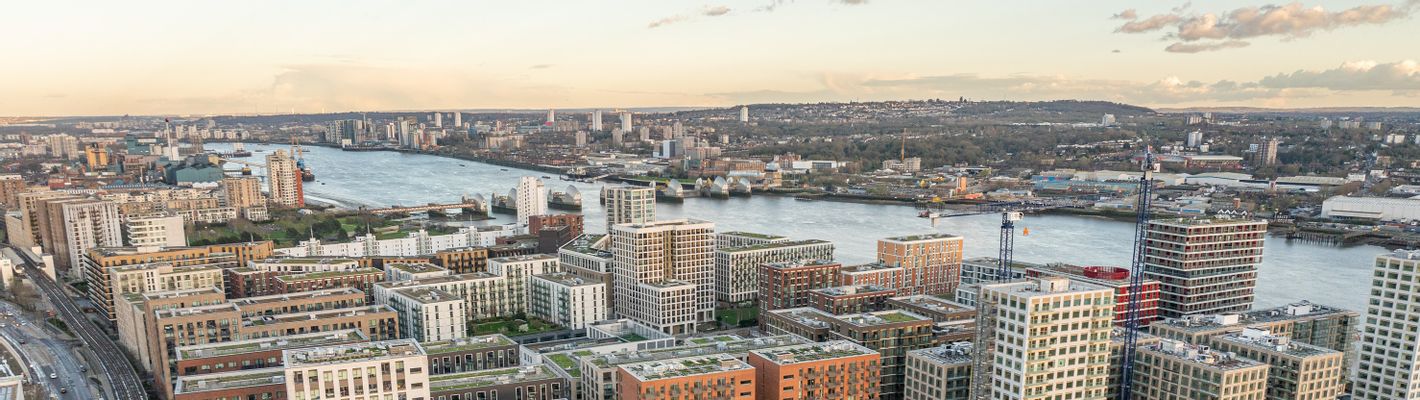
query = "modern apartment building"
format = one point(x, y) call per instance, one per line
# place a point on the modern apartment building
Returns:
point(429, 314)
point(597, 371)
point(890, 333)
point(134, 312)
point(470, 354)
point(242, 192)
point(1115, 278)
point(158, 230)
point(1304, 322)
point(737, 268)
point(79, 225)
point(485, 295)
point(833, 369)
point(160, 277)
point(394, 369)
point(664, 273)
point(531, 200)
point(717, 376)
point(787, 284)
point(407, 271)
point(519, 270)
point(96, 262)
point(567, 300)
point(1295, 370)
point(1204, 266)
point(628, 205)
point(361, 278)
point(1389, 361)
point(931, 263)
point(535, 382)
point(586, 257)
point(283, 180)
point(1176, 370)
point(1051, 338)
point(939, 373)
point(746, 239)
point(851, 299)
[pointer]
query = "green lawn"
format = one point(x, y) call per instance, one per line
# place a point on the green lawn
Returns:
point(509, 326)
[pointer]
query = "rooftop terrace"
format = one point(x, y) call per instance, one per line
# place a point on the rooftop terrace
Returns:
point(426, 295)
point(799, 264)
point(754, 235)
point(880, 318)
point(933, 303)
point(854, 290)
point(682, 367)
point(416, 268)
point(274, 376)
point(305, 261)
point(1263, 339)
point(489, 377)
point(368, 351)
point(958, 353)
point(467, 344)
point(813, 352)
point(263, 320)
point(270, 344)
point(567, 279)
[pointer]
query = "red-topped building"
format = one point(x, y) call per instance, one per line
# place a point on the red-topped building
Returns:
point(1116, 278)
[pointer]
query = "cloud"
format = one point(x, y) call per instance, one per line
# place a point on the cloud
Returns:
point(540, 66)
point(707, 11)
point(1229, 29)
point(1202, 47)
point(853, 2)
point(1402, 77)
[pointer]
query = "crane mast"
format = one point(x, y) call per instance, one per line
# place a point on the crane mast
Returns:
point(1136, 272)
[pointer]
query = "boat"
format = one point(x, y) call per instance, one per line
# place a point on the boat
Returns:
point(461, 165)
point(803, 199)
point(307, 175)
point(503, 169)
point(570, 199)
point(546, 177)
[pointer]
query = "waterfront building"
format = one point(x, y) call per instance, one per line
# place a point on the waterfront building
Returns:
point(663, 273)
point(429, 314)
point(567, 300)
point(1295, 370)
point(155, 230)
point(532, 198)
point(283, 179)
point(787, 284)
point(717, 376)
point(831, 369)
point(1204, 265)
point(872, 274)
point(242, 192)
point(1176, 370)
point(1052, 339)
point(939, 373)
point(746, 239)
point(931, 264)
point(393, 369)
point(417, 244)
point(737, 268)
point(629, 205)
point(1389, 361)
point(1115, 278)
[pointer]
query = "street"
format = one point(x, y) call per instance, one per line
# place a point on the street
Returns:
point(43, 354)
point(113, 364)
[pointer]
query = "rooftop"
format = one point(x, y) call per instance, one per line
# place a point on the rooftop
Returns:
point(813, 352)
point(173, 270)
point(281, 298)
point(1295, 311)
point(416, 268)
point(467, 344)
point(869, 267)
point(586, 244)
point(1193, 222)
point(1045, 286)
point(521, 258)
point(270, 344)
point(305, 261)
point(426, 295)
point(567, 279)
point(489, 377)
point(1263, 339)
point(923, 237)
point(262, 320)
point(854, 290)
point(933, 303)
point(311, 276)
point(880, 318)
point(754, 235)
point(369, 351)
point(799, 264)
point(682, 367)
point(438, 280)
point(958, 353)
point(733, 347)
point(231, 380)
point(1201, 355)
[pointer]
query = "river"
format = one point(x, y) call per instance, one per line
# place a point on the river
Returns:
point(1290, 271)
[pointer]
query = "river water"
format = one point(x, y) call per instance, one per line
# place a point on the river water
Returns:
point(1291, 271)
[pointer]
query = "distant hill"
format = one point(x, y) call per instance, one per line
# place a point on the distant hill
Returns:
point(1316, 110)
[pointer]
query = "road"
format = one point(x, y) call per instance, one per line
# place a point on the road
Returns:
point(113, 365)
point(43, 354)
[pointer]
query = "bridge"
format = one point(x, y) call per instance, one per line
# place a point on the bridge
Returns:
point(464, 203)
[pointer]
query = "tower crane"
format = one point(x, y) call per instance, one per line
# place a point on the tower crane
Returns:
point(1136, 271)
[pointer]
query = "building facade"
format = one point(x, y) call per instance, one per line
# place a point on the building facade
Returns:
point(1204, 266)
point(737, 268)
point(1052, 338)
point(663, 273)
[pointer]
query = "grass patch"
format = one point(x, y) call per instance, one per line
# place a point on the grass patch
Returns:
point(63, 327)
point(513, 327)
point(739, 316)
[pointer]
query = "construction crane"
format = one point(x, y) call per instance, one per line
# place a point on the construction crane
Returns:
point(1136, 271)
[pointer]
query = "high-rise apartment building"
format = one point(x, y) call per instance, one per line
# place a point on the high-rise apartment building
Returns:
point(485, 295)
point(78, 225)
point(11, 185)
point(158, 230)
point(664, 273)
point(532, 198)
point(1051, 338)
point(97, 263)
point(242, 192)
point(931, 264)
point(1115, 278)
point(787, 284)
point(567, 300)
point(626, 121)
point(283, 180)
point(737, 268)
point(746, 239)
point(939, 373)
point(1266, 153)
point(1295, 370)
point(628, 205)
point(833, 369)
point(429, 314)
point(1204, 266)
point(596, 124)
point(1176, 370)
point(392, 369)
point(1389, 360)
point(891, 333)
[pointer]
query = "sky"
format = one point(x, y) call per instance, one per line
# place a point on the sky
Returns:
point(208, 57)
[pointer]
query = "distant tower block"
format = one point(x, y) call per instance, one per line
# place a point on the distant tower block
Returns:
point(744, 114)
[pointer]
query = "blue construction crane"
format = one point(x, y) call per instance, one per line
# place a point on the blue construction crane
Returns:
point(1136, 272)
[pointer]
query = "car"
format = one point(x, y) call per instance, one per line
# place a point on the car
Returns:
point(53, 375)
point(83, 368)
point(63, 390)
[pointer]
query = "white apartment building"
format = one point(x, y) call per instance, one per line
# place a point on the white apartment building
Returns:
point(430, 314)
point(742, 239)
point(532, 198)
point(87, 224)
point(391, 369)
point(485, 295)
point(301, 265)
point(395, 272)
point(160, 230)
point(283, 180)
point(662, 267)
point(1052, 338)
point(1389, 366)
point(629, 205)
point(418, 243)
point(565, 299)
point(519, 270)
point(737, 268)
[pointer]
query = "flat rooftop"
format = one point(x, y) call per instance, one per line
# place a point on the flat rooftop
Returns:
point(775, 245)
point(369, 351)
point(933, 303)
point(175, 269)
point(1263, 340)
point(1195, 222)
point(586, 244)
point(813, 352)
point(958, 353)
point(1296, 311)
point(1053, 286)
point(425, 295)
point(712, 346)
point(683, 367)
point(854, 290)
point(753, 235)
point(1201, 355)
point(312, 276)
point(416, 268)
point(666, 284)
point(489, 377)
point(438, 280)
point(274, 376)
point(523, 258)
point(281, 298)
point(270, 344)
point(263, 320)
point(800, 264)
point(567, 279)
point(467, 344)
point(872, 267)
point(880, 318)
point(305, 261)
point(923, 237)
